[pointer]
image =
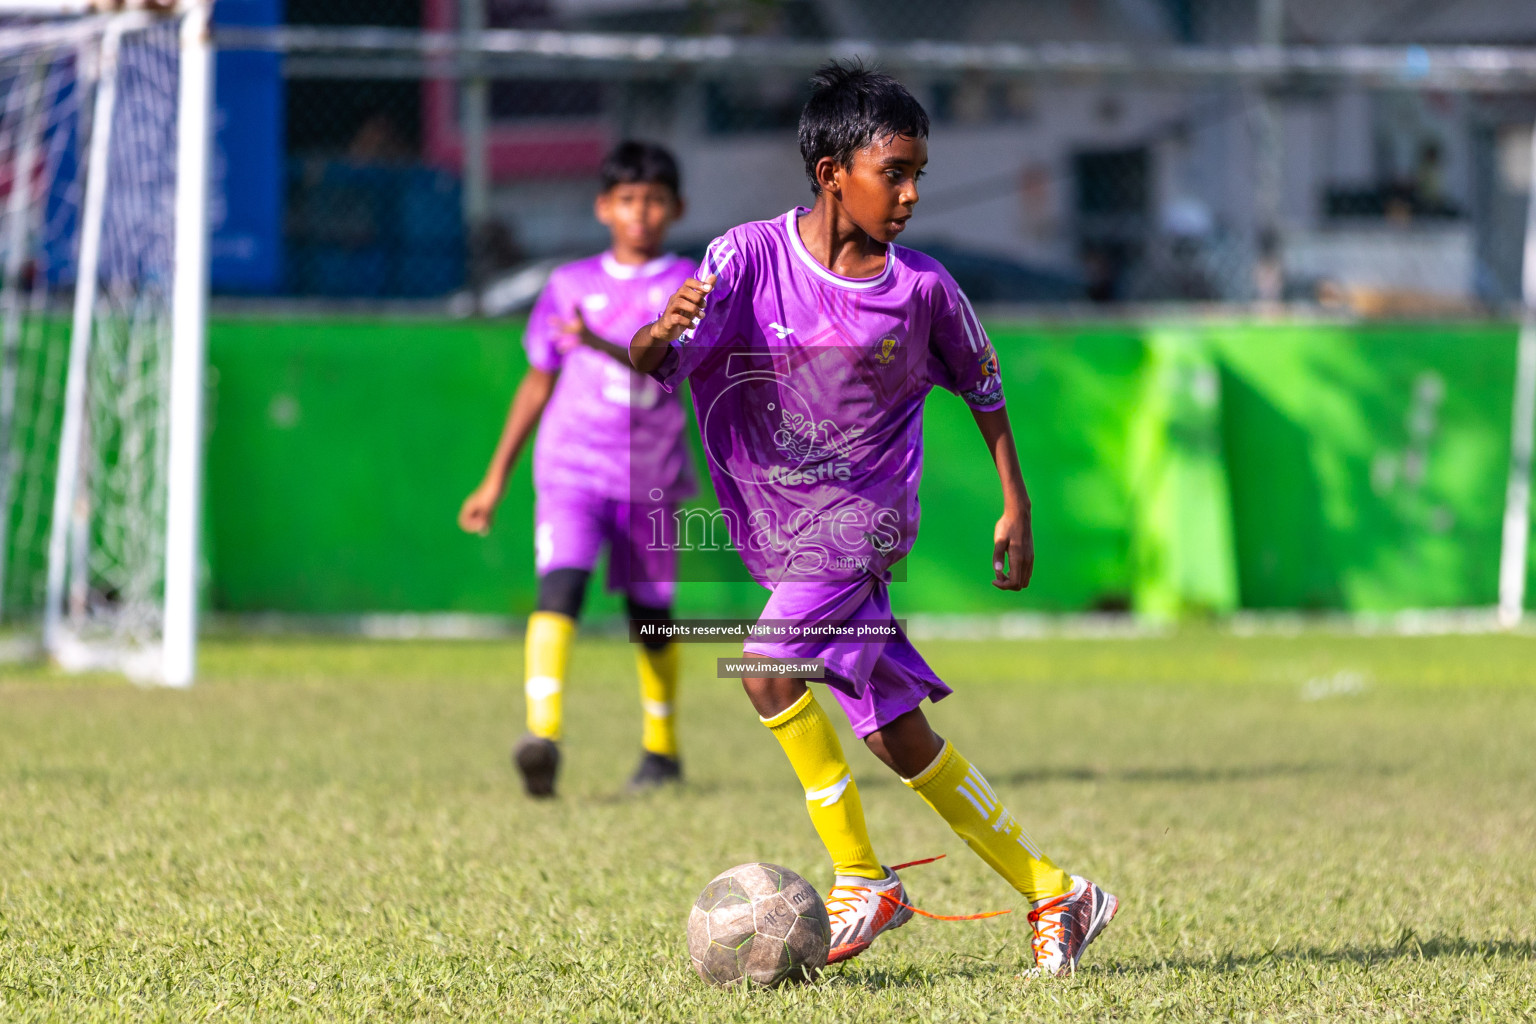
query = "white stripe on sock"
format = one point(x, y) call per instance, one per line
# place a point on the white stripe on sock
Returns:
point(979, 787)
point(541, 687)
point(1028, 844)
point(985, 786)
point(829, 795)
point(963, 791)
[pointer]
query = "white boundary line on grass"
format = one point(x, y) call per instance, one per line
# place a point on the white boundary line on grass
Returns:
point(370, 626)
point(1019, 626)
point(1410, 622)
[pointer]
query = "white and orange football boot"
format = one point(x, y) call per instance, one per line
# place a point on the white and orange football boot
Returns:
point(1064, 925)
point(860, 912)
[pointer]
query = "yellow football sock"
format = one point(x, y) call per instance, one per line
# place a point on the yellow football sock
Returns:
point(547, 648)
point(658, 697)
point(965, 799)
point(832, 797)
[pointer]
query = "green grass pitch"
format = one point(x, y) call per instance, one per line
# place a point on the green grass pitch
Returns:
point(1317, 827)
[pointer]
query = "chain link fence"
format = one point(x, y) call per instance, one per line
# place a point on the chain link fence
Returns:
point(1083, 154)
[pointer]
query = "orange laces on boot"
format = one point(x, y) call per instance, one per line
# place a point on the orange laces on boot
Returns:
point(1047, 925)
point(936, 917)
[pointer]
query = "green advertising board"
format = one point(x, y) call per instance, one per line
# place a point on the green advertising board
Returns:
point(1368, 463)
point(1178, 469)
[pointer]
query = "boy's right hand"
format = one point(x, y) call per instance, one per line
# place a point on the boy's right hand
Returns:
point(479, 509)
point(684, 309)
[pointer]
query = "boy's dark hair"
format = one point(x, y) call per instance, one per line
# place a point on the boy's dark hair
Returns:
point(852, 107)
point(632, 161)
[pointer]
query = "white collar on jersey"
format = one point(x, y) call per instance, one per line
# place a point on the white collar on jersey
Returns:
point(792, 229)
point(627, 271)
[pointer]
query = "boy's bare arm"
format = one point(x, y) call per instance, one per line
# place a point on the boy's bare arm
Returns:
point(1013, 544)
point(533, 392)
point(584, 334)
point(649, 345)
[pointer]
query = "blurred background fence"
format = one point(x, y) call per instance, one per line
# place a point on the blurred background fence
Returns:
point(1369, 157)
point(1176, 217)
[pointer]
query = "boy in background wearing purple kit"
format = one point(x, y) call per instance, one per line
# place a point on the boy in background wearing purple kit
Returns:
point(609, 462)
point(811, 341)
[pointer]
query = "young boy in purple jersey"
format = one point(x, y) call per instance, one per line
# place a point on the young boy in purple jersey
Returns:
point(609, 462)
point(811, 341)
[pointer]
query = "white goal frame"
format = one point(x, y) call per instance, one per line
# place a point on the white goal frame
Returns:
point(174, 663)
point(1514, 555)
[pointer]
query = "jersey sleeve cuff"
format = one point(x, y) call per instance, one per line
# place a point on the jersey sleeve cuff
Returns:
point(666, 374)
point(990, 402)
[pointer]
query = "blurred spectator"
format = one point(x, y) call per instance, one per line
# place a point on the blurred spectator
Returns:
point(377, 141)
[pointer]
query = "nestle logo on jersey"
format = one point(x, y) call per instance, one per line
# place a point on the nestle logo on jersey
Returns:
point(806, 475)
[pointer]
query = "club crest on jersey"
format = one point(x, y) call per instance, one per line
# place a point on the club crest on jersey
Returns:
point(887, 350)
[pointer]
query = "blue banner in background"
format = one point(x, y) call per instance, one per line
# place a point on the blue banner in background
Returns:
point(245, 199)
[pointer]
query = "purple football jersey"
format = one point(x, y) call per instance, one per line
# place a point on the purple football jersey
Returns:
point(607, 430)
point(809, 389)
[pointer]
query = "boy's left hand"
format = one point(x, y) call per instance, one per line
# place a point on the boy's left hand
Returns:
point(1013, 552)
point(575, 332)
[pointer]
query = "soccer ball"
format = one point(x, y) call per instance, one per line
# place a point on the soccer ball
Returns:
point(760, 924)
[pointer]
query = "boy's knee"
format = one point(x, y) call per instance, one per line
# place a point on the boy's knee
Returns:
point(563, 591)
point(877, 746)
point(772, 695)
point(907, 745)
point(649, 613)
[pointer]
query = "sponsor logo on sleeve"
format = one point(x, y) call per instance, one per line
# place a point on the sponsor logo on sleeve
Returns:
point(988, 361)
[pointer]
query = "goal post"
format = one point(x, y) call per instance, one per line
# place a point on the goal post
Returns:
point(111, 225)
point(189, 316)
point(1514, 555)
point(82, 324)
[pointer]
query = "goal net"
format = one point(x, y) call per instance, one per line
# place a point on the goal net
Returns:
point(103, 143)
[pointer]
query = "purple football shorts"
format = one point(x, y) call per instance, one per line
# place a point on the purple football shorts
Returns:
point(570, 529)
point(875, 682)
